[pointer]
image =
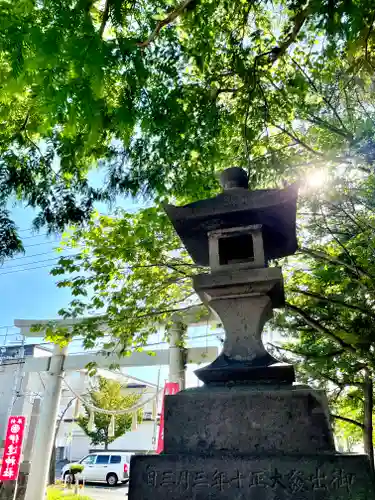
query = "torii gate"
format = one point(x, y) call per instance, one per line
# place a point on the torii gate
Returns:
point(59, 362)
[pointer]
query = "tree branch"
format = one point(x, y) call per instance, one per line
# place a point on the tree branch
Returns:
point(166, 311)
point(340, 383)
point(298, 21)
point(322, 123)
point(104, 318)
point(298, 141)
point(227, 91)
point(105, 18)
point(319, 327)
point(333, 260)
point(367, 39)
point(24, 124)
point(45, 162)
point(164, 22)
point(366, 113)
point(346, 251)
point(351, 217)
point(315, 88)
point(347, 420)
point(333, 301)
point(286, 349)
point(331, 354)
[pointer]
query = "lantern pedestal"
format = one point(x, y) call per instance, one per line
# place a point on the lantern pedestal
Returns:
point(243, 300)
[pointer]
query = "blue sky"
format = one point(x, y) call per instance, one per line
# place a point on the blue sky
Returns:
point(30, 292)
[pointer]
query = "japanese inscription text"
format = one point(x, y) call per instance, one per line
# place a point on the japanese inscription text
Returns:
point(293, 481)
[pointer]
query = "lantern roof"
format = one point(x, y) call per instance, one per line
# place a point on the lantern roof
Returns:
point(273, 209)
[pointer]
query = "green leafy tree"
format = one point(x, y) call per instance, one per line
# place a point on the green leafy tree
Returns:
point(109, 396)
point(330, 308)
point(349, 386)
point(347, 410)
point(130, 275)
point(164, 95)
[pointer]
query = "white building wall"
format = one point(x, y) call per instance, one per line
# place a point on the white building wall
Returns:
point(139, 440)
point(8, 374)
point(79, 445)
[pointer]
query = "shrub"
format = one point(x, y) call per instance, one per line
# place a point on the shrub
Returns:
point(76, 468)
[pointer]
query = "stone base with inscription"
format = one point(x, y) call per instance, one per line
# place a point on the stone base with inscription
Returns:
point(250, 442)
point(235, 477)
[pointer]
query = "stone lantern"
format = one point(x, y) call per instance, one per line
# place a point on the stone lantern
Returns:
point(250, 433)
point(236, 234)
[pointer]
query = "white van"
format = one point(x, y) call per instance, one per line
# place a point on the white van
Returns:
point(106, 466)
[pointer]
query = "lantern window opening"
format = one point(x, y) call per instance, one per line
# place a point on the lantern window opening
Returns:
point(236, 249)
point(236, 246)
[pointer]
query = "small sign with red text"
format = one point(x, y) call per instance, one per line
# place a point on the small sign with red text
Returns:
point(13, 447)
point(169, 389)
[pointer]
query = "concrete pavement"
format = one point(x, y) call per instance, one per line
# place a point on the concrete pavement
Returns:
point(105, 493)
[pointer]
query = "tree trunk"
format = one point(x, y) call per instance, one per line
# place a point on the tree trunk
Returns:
point(106, 445)
point(52, 465)
point(367, 420)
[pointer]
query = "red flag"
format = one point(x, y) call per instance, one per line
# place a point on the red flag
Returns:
point(169, 389)
point(13, 448)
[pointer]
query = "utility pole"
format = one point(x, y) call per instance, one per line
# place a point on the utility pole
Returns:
point(45, 432)
point(177, 353)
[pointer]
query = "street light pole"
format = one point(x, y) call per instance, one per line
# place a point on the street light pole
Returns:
point(44, 439)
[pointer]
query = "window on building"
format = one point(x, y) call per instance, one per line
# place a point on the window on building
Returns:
point(115, 459)
point(60, 451)
point(102, 459)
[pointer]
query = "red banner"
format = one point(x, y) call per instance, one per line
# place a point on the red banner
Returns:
point(13, 447)
point(169, 389)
